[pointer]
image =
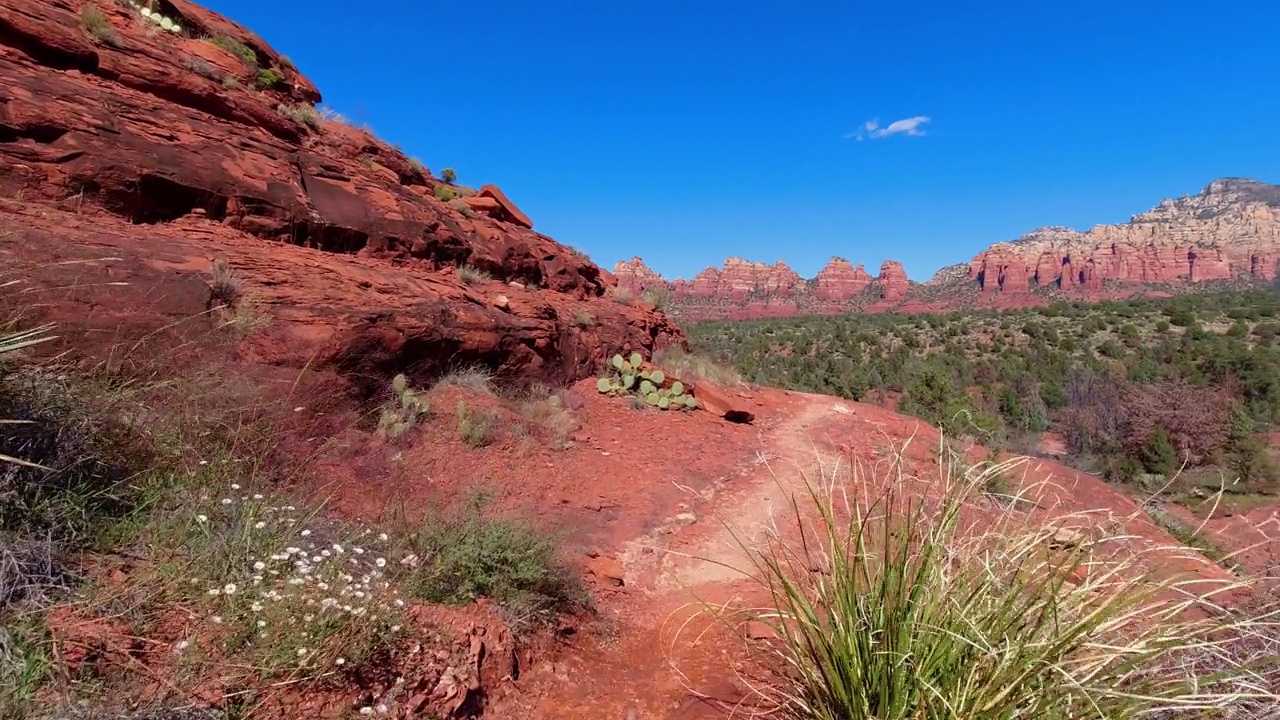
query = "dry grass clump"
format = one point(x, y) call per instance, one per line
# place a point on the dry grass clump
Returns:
point(473, 276)
point(897, 598)
point(693, 367)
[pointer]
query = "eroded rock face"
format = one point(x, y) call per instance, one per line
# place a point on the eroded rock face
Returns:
point(1229, 230)
point(164, 144)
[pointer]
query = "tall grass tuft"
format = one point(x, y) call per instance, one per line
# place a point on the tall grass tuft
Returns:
point(909, 599)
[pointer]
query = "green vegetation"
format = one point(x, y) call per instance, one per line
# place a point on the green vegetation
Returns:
point(890, 609)
point(268, 79)
point(237, 48)
point(444, 193)
point(402, 413)
point(629, 377)
point(449, 175)
point(458, 556)
point(1132, 387)
point(476, 427)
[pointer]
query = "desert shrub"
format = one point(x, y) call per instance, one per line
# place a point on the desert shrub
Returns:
point(1197, 420)
point(268, 78)
point(466, 553)
point(476, 427)
point(583, 319)
point(622, 296)
point(693, 366)
point(417, 167)
point(659, 299)
point(227, 287)
point(547, 410)
point(93, 20)
point(201, 67)
point(229, 82)
point(286, 62)
point(462, 208)
point(471, 377)
point(449, 175)
point(472, 275)
point(79, 471)
point(1158, 455)
point(919, 608)
point(302, 113)
point(237, 48)
point(444, 193)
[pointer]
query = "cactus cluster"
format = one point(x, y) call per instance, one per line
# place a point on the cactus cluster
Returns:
point(165, 23)
point(403, 411)
point(631, 378)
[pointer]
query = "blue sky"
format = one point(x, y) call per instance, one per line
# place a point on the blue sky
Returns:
point(688, 132)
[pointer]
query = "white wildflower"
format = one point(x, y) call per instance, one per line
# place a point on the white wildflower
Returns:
point(259, 565)
point(256, 607)
point(235, 486)
point(382, 537)
point(305, 533)
point(202, 518)
point(399, 603)
point(366, 710)
point(181, 645)
point(302, 651)
point(380, 562)
point(259, 525)
point(262, 623)
point(217, 619)
point(204, 462)
point(338, 548)
point(257, 496)
point(215, 591)
point(324, 553)
point(359, 550)
point(340, 661)
point(229, 588)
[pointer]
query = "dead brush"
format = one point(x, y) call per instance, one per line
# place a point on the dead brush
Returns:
point(545, 408)
point(898, 597)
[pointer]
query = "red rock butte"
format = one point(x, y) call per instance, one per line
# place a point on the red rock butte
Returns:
point(1229, 232)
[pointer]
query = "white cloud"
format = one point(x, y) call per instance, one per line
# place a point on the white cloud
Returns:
point(871, 130)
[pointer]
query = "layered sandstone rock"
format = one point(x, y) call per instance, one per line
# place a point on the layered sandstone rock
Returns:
point(635, 276)
point(840, 280)
point(740, 280)
point(893, 282)
point(186, 153)
point(1229, 230)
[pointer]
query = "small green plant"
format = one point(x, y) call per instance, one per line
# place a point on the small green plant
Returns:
point(237, 48)
point(93, 20)
point(472, 275)
point(404, 410)
point(444, 193)
point(302, 113)
point(268, 79)
point(622, 296)
point(230, 81)
point(583, 319)
point(449, 175)
point(466, 554)
point(476, 427)
point(630, 377)
point(24, 665)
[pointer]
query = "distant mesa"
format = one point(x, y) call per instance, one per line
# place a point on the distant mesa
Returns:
point(1229, 232)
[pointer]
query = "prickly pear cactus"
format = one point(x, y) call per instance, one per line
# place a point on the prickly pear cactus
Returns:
point(627, 376)
point(403, 412)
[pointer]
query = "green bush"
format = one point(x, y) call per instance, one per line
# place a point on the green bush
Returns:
point(237, 48)
point(268, 79)
point(444, 193)
point(476, 427)
point(304, 114)
point(96, 23)
point(467, 554)
point(449, 175)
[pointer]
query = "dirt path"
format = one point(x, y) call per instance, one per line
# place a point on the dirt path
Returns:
point(656, 662)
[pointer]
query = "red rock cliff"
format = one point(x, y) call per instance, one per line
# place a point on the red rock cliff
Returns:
point(1230, 230)
point(207, 132)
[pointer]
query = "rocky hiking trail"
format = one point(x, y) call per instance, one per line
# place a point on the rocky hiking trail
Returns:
point(659, 649)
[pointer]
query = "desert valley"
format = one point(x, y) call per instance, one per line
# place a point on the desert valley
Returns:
point(294, 426)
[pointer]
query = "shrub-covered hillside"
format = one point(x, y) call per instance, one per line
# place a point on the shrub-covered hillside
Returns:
point(1133, 389)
